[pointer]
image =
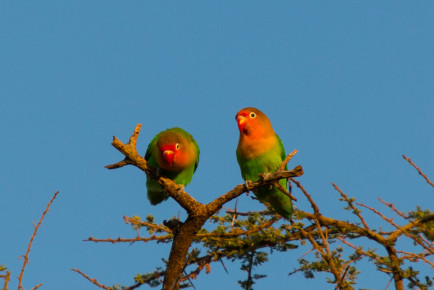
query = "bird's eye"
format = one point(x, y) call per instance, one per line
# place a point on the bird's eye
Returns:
point(252, 115)
point(177, 146)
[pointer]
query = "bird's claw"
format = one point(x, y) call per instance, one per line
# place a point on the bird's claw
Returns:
point(265, 175)
point(248, 184)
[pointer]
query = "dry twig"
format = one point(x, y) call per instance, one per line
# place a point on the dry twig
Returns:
point(418, 170)
point(351, 205)
point(26, 256)
point(93, 280)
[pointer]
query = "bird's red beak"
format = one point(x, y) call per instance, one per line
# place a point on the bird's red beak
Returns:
point(168, 151)
point(169, 155)
point(241, 121)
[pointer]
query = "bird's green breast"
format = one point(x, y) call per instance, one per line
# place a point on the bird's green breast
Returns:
point(268, 161)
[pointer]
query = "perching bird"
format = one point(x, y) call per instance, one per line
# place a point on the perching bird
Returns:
point(260, 150)
point(176, 155)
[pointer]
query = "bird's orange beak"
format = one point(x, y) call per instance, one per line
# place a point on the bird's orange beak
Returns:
point(241, 121)
point(169, 156)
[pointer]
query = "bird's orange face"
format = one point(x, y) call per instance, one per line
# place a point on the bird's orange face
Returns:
point(168, 151)
point(247, 119)
point(174, 152)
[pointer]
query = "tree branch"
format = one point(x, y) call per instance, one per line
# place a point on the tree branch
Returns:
point(26, 256)
point(198, 213)
point(132, 157)
point(418, 170)
point(217, 204)
point(93, 280)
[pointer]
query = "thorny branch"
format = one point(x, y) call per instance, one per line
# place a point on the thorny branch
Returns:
point(418, 170)
point(93, 280)
point(7, 278)
point(26, 256)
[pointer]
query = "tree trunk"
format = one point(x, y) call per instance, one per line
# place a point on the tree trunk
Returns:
point(183, 237)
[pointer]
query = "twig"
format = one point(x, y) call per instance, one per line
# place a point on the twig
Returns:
point(93, 280)
point(416, 257)
point(418, 170)
point(164, 238)
point(118, 164)
point(404, 229)
point(312, 203)
point(133, 221)
point(392, 207)
point(249, 213)
point(310, 250)
point(286, 160)
point(26, 256)
point(356, 211)
point(360, 251)
point(7, 278)
point(37, 286)
point(235, 215)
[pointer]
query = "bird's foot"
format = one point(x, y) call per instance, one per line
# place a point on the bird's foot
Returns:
point(248, 184)
point(265, 176)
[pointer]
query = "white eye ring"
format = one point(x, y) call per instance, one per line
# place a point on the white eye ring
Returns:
point(177, 146)
point(252, 115)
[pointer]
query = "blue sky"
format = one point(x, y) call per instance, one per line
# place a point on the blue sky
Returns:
point(349, 84)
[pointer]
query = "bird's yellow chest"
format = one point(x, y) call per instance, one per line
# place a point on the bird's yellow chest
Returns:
point(253, 147)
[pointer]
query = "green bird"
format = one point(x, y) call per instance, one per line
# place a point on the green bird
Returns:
point(175, 154)
point(260, 150)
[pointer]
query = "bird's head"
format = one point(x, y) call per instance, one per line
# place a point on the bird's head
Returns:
point(252, 121)
point(168, 152)
point(171, 147)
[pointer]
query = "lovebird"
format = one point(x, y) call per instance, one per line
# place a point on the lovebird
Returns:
point(260, 150)
point(175, 154)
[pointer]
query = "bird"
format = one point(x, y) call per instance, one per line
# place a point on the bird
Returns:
point(175, 154)
point(260, 150)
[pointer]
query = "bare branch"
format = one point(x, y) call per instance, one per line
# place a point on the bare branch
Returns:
point(26, 256)
point(391, 206)
point(216, 204)
point(93, 280)
point(165, 238)
point(133, 221)
point(351, 205)
point(404, 229)
point(37, 286)
point(118, 164)
point(286, 160)
point(360, 251)
point(7, 278)
point(312, 203)
point(416, 257)
point(418, 170)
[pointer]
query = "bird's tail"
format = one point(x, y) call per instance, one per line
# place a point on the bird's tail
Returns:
point(281, 202)
point(156, 194)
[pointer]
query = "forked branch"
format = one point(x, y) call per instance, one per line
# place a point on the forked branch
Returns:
point(198, 213)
